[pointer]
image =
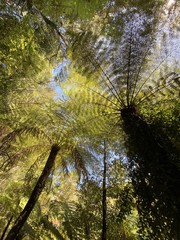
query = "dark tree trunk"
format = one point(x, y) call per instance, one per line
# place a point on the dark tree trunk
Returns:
point(104, 203)
point(13, 233)
point(155, 176)
point(6, 228)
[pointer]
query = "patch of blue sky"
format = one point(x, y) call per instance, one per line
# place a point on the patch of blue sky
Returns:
point(60, 74)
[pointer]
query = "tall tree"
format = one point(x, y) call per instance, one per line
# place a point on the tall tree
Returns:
point(118, 93)
point(44, 125)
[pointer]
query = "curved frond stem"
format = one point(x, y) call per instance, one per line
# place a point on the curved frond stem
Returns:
point(61, 131)
point(129, 67)
point(138, 73)
point(11, 159)
point(23, 106)
point(103, 105)
point(6, 162)
point(161, 102)
point(96, 117)
point(30, 130)
point(65, 117)
point(100, 104)
point(154, 91)
point(115, 93)
point(101, 95)
point(145, 81)
point(51, 24)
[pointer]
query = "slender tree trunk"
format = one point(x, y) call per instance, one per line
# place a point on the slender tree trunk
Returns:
point(34, 195)
point(104, 203)
point(6, 228)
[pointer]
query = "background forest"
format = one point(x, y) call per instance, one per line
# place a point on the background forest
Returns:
point(89, 120)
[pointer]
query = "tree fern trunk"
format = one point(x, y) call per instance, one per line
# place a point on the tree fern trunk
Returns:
point(155, 176)
point(13, 233)
point(104, 203)
point(6, 228)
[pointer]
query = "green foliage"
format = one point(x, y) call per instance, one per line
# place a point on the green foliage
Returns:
point(119, 79)
point(117, 92)
point(82, 219)
point(20, 53)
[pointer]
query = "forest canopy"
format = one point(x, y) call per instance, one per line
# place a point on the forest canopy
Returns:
point(89, 120)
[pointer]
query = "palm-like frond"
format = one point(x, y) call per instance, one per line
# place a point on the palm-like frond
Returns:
point(129, 76)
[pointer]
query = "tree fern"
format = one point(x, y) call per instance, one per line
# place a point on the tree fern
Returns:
point(34, 129)
point(122, 86)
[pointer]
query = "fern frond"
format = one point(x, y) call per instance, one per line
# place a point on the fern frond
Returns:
point(140, 88)
point(11, 156)
point(12, 136)
point(79, 162)
point(169, 83)
point(34, 167)
point(124, 74)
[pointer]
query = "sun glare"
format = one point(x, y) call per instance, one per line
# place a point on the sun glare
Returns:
point(170, 3)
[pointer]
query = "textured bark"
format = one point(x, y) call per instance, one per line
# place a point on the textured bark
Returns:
point(13, 233)
point(104, 203)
